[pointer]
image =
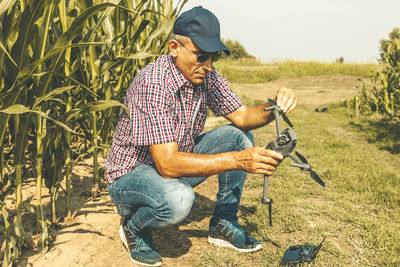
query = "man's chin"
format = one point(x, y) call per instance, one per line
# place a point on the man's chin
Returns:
point(198, 81)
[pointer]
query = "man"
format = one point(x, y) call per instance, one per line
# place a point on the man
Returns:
point(157, 155)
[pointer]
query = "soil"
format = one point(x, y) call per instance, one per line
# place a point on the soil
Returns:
point(91, 238)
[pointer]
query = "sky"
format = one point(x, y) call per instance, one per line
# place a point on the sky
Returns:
point(319, 30)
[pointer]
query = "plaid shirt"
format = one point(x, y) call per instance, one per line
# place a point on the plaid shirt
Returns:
point(164, 107)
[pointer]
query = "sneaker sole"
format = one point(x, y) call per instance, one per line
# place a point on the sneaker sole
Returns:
point(223, 243)
point(125, 243)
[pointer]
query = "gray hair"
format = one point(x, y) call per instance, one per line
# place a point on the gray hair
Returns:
point(179, 38)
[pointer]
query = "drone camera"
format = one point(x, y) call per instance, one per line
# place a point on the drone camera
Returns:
point(283, 140)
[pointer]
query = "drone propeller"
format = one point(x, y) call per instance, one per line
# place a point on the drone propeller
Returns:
point(303, 164)
point(301, 157)
point(286, 119)
point(316, 178)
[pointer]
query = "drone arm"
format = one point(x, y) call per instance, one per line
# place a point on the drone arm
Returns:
point(277, 121)
point(277, 113)
point(298, 163)
point(296, 160)
point(275, 110)
point(303, 164)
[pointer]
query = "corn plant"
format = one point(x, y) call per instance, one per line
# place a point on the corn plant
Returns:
point(64, 67)
point(384, 98)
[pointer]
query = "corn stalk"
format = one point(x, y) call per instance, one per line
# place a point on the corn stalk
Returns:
point(41, 224)
point(11, 250)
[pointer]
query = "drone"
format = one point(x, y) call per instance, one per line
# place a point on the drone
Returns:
point(285, 144)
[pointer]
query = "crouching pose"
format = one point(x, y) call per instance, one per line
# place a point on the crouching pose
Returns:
point(158, 155)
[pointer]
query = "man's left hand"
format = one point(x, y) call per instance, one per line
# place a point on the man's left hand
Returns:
point(286, 100)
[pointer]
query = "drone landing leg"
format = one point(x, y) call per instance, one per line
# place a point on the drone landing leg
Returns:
point(266, 199)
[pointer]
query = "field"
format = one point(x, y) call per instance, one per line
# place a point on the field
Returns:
point(358, 212)
point(64, 69)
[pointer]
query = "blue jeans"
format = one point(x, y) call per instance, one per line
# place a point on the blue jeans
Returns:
point(149, 201)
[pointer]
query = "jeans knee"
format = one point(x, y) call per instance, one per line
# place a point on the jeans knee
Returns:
point(183, 204)
point(244, 139)
point(249, 142)
point(180, 201)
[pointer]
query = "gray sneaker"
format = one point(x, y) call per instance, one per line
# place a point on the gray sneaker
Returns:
point(141, 249)
point(226, 234)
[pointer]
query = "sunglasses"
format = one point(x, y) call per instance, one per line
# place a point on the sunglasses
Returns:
point(202, 56)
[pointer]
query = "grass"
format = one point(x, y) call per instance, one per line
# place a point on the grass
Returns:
point(253, 71)
point(359, 211)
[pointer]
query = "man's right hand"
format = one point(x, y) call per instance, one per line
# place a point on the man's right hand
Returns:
point(258, 160)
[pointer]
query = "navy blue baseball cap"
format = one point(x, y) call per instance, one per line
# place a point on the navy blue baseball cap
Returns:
point(202, 26)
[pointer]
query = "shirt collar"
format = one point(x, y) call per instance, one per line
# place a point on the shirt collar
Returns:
point(177, 76)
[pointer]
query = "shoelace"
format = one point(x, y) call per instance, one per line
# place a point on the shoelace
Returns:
point(142, 244)
point(131, 237)
point(147, 240)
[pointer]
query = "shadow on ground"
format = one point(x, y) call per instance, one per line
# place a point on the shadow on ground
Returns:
point(174, 241)
point(384, 133)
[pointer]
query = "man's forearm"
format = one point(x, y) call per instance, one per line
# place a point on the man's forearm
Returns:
point(249, 118)
point(172, 163)
point(185, 164)
point(257, 117)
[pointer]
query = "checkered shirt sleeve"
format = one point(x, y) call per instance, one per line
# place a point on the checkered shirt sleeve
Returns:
point(151, 116)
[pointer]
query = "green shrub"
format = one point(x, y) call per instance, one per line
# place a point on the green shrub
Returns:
point(237, 50)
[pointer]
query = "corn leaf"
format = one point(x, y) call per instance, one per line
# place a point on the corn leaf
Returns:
point(104, 104)
point(28, 207)
point(141, 55)
point(28, 70)
point(7, 54)
point(51, 94)
point(5, 4)
point(21, 109)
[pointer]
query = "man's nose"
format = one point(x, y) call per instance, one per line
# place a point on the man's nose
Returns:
point(207, 65)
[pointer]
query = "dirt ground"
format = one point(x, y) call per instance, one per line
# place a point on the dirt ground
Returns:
point(92, 239)
point(310, 90)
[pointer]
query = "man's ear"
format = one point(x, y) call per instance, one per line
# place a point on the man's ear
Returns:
point(173, 47)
